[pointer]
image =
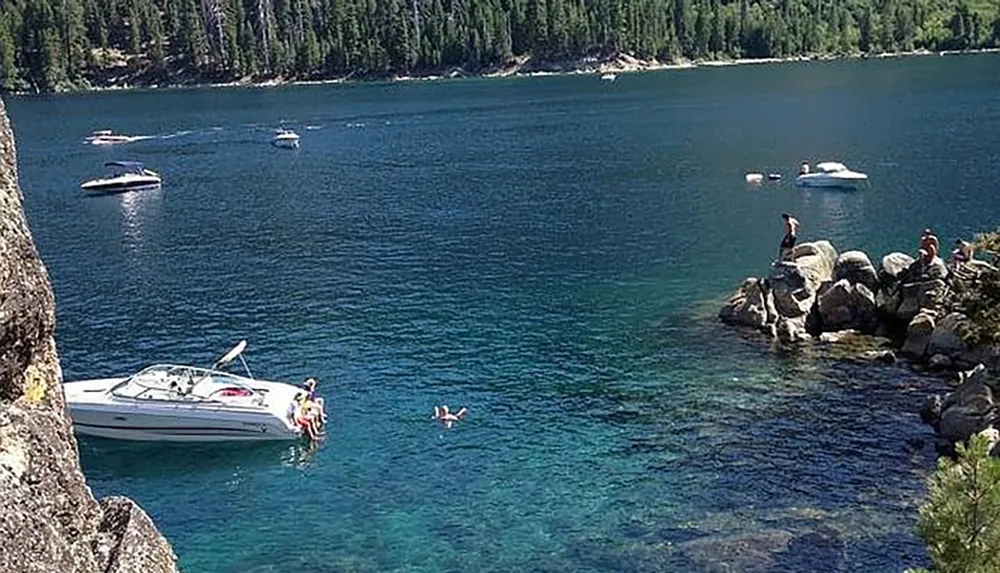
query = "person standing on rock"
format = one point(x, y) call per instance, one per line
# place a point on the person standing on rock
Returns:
point(791, 234)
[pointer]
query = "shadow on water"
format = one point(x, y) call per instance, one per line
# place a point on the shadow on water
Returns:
point(102, 457)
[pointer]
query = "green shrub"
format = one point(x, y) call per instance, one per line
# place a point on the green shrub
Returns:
point(960, 522)
point(980, 299)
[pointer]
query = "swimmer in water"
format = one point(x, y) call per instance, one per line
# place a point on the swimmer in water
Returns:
point(448, 418)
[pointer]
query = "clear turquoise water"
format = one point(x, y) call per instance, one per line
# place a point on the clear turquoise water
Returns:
point(549, 252)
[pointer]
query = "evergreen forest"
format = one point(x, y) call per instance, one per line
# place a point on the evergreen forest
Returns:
point(52, 45)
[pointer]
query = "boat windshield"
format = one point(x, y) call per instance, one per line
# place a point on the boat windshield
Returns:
point(831, 167)
point(187, 384)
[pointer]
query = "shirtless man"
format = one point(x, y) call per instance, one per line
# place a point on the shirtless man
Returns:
point(791, 234)
point(446, 417)
point(930, 243)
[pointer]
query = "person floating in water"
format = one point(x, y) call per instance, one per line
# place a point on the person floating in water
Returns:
point(791, 234)
point(448, 418)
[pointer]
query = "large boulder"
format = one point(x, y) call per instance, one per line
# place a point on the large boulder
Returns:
point(893, 265)
point(918, 335)
point(856, 267)
point(969, 409)
point(945, 339)
point(846, 305)
point(49, 520)
point(919, 295)
point(748, 306)
point(887, 293)
point(795, 282)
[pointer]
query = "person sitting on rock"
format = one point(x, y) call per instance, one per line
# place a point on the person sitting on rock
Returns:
point(446, 417)
point(963, 252)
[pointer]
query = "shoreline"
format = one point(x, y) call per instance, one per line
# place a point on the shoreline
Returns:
point(524, 67)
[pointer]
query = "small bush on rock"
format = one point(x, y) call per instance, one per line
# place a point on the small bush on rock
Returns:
point(979, 299)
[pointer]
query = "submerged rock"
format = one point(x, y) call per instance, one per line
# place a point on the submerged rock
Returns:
point(49, 521)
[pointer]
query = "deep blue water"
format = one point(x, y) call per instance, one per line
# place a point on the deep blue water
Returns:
point(548, 252)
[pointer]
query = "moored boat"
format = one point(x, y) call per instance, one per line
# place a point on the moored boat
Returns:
point(830, 174)
point(177, 403)
point(286, 138)
point(127, 176)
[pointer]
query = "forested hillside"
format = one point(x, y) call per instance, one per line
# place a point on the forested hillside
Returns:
point(49, 45)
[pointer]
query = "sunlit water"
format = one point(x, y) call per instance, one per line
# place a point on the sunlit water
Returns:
point(551, 254)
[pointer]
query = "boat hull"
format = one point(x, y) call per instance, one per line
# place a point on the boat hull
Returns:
point(122, 423)
point(823, 180)
point(121, 184)
point(95, 413)
point(286, 143)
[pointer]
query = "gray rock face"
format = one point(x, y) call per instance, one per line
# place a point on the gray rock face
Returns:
point(795, 282)
point(945, 339)
point(919, 295)
point(847, 305)
point(748, 306)
point(970, 409)
point(918, 335)
point(856, 268)
point(49, 521)
point(893, 264)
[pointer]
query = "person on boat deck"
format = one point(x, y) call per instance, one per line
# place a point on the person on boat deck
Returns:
point(791, 234)
point(446, 417)
point(804, 168)
point(930, 243)
point(963, 252)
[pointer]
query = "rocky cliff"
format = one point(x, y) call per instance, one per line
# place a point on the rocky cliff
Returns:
point(49, 521)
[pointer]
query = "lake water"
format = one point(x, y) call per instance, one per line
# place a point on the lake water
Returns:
point(548, 252)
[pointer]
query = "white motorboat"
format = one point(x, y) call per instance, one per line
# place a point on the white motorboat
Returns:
point(174, 403)
point(128, 175)
point(609, 77)
point(286, 138)
point(107, 137)
point(829, 174)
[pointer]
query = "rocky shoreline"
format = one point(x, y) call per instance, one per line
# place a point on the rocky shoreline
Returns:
point(819, 296)
point(124, 77)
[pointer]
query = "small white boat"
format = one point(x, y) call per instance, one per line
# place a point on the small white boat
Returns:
point(107, 137)
point(286, 138)
point(830, 174)
point(174, 403)
point(754, 178)
point(609, 77)
point(128, 176)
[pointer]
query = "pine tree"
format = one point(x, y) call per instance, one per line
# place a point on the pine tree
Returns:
point(960, 522)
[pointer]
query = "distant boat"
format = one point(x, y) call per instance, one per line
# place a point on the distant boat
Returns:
point(774, 176)
point(830, 174)
point(286, 138)
point(127, 176)
point(609, 77)
point(107, 137)
point(754, 178)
